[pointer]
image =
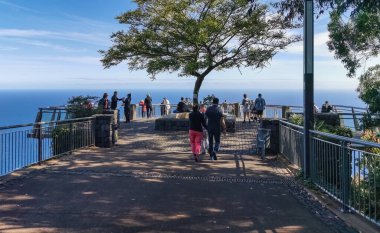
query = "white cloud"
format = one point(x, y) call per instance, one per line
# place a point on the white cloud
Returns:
point(48, 45)
point(18, 7)
point(320, 46)
point(46, 60)
point(89, 38)
point(8, 48)
point(91, 22)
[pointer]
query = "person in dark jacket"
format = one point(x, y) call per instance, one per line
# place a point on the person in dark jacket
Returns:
point(326, 107)
point(182, 106)
point(215, 121)
point(197, 120)
point(148, 104)
point(114, 100)
point(127, 108)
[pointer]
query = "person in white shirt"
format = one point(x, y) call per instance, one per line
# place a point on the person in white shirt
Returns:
point(167, 105)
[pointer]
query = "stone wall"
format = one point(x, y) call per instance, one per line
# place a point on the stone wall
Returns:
point(106, 126)
point(182, 124)
point(329, 119)
point(171, 124)
point(103, 131)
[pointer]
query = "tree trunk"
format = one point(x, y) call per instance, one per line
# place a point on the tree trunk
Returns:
point(197, 86)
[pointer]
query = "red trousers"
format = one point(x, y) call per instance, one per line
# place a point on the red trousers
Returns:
point(195, 141)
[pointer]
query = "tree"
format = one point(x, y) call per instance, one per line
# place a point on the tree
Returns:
point(356, 39)
point(196, 37)
point(369, 88)
point(354, 27)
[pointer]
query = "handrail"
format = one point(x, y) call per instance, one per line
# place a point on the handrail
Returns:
point(342, 138)
point(43, 123)
point(290, 124)
point(344, 106)
point(16, 126)
point(334, 136)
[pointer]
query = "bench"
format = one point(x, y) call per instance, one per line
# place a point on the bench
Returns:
point(262, 141)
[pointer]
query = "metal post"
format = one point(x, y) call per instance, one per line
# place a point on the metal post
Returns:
point(345, 176)
point(308, 82)
point(71, 138)
point(285, 109)
point(39, 134)
point(356, 123)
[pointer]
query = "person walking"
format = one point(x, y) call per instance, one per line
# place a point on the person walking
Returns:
point(197, 120)
point(260, 106)
point(127, 108)
point(204, 144)
point(148, 104)
point(245, 104)
point(215, 120)
point(114, 100)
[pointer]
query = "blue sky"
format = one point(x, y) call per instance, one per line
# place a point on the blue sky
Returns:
point(53, 44)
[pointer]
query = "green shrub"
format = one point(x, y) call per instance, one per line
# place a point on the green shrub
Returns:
point(81, 106)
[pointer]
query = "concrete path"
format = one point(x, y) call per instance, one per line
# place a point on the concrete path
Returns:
point(149, 183)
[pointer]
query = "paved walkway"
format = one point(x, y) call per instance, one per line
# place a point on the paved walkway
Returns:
point(149, 183)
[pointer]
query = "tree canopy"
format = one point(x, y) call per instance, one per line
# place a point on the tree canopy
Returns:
point(369, 88)
point(81, 106)
point(354, 29)
point(195, 37)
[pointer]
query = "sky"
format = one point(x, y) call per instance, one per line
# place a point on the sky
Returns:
point(54, 44)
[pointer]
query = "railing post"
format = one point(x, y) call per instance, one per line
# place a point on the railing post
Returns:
point(313, 159)
point(39, 132)
point(284, 110)
point(237, 109)
point(71, 138)
point(356, 123)
point(345, 176)
point(134, 112)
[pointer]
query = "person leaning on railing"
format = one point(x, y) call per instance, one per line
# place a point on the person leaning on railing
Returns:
point(103, 103)
point(114, 100)
point(326, 107)
point(127, 108)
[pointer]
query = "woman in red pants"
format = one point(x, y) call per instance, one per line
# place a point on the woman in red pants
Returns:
point(197, 120)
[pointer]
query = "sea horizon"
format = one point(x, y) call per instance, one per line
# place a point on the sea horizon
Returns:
point(21, 105)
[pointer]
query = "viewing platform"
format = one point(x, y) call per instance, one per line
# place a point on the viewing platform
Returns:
point(149, 182)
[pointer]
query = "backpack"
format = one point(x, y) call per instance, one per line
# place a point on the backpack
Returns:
point(260, 104)
point(245, 102)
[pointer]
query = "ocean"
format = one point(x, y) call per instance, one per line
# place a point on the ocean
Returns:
point(21, 106)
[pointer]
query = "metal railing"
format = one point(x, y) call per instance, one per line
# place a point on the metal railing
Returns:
point(350, 116)
point(291, 142)
point(24, 145)
point(158, 110)
point(347, 169)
